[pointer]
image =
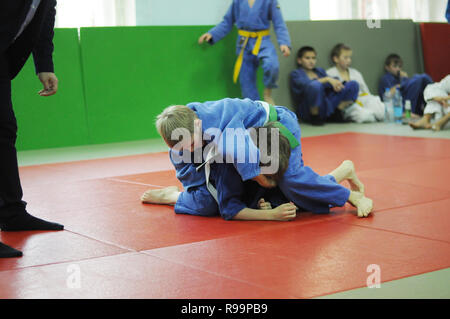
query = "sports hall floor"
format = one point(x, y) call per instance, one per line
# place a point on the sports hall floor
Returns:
point(117, 247)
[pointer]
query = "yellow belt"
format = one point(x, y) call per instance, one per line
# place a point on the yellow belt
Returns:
point(255, 51)
point(358, 101)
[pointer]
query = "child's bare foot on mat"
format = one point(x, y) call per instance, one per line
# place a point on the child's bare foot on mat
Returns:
point(167, 195)
point(346, 171)
point(362, 203)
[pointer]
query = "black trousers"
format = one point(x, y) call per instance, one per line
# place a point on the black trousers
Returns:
point(10, 188)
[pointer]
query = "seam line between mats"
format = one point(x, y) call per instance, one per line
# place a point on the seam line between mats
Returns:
point(217, 274)
point(411, 205)
point(67, 261)
point(405, 183)
point(392, 231)
point(127, 250)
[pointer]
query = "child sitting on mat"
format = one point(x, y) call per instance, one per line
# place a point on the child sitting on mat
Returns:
point(411, 88)
point(211, 121)
point(368, 108)
point(316, 96)
point(437, 96)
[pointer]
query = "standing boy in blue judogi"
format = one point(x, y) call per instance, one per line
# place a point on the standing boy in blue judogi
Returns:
point(252, 18)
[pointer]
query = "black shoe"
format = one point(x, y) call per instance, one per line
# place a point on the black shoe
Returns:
point(9, 252)
point(24, 221)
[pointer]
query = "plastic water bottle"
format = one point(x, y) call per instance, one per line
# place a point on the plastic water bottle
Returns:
point(388, 106)
point(407, 109)
point(398, 107)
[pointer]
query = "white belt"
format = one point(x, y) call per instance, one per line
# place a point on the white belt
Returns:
point(211, 154)
point(267, 108)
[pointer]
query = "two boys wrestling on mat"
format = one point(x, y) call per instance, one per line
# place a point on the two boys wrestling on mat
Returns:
point(242, 158)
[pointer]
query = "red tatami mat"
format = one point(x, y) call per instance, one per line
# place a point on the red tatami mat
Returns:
point(430, 220)
point(125, 276)
point(127, 249)
point(432, 174)
point(313, 259)
point(38, 175)
point(41, 248)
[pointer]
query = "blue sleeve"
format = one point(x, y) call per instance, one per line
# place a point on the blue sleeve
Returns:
point(321, 73)
point(186, 171)
point(279, 25)
point(224, 27)
point(237, 147)
point(232, 117)
point(230, 190)
point(299, 80)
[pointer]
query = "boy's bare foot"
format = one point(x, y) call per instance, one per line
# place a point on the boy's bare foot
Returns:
point(168, 195)
point(346, 171)
point(362, 203)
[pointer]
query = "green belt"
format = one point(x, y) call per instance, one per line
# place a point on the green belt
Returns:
point(273, 117)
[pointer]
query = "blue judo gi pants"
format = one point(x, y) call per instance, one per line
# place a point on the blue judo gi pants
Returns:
point(268, 59)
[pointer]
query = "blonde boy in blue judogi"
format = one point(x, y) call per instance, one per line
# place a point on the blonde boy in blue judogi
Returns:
point(252, 18)
point(299, 184)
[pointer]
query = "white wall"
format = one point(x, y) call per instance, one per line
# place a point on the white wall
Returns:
point(203, 12)
point(95, 13)
point(89, 13)
point(417, 10)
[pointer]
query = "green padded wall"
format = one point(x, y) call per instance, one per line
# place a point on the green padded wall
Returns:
point(58, 120)
point(133, 73)
point(370, 48)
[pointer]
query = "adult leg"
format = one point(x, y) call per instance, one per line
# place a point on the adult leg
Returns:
point(10, 188)
point(13, 216)
point(5, 97)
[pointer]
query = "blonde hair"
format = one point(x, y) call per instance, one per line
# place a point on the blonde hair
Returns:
point(172, 118)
